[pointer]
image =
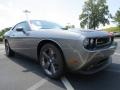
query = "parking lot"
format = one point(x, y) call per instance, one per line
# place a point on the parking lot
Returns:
point(22, 73)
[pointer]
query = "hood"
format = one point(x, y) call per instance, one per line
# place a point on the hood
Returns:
point(68, 34)
point(90, 33)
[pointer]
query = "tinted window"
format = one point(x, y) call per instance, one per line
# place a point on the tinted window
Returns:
point(23, 25)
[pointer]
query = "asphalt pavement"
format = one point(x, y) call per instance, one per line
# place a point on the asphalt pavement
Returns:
point(22, 73)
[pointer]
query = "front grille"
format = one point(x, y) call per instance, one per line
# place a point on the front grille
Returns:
point(102, 41)
point(99, 42)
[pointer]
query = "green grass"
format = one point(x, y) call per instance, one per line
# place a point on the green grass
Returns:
point(113, 29)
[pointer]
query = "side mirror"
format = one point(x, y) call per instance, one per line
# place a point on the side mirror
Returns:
point(19, 29)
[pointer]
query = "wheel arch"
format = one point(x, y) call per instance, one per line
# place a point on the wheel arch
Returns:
point(5, 40)
point(43, 42)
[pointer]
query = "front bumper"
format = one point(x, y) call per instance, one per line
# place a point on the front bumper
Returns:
point(94, 68)
point(79, 59)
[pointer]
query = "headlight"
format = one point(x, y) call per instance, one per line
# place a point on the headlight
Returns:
point(91, 41)
point(86, 42)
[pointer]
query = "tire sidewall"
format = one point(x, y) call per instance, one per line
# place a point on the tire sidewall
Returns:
point(9, 52)
point(7, 47)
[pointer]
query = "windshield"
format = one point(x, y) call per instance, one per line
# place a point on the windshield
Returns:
point(39, 24)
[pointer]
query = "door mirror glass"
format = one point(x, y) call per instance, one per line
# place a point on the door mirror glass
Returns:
point(19, 29)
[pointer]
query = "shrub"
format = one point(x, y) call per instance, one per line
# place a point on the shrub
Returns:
point(112, 29)
point(1, 39)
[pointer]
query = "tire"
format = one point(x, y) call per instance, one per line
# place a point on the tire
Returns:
point(8, 50)
point(51, 61)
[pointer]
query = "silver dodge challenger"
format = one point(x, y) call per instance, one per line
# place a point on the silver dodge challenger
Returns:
point(59, 50)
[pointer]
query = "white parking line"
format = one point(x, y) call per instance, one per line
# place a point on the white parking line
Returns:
point(38, 85)
point(117, 53)
point(67, 83)
point(1, 51)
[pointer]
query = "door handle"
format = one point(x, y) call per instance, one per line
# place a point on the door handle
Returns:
point(27, 34)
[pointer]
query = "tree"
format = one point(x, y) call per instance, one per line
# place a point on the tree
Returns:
point(94, 13)
point(117, 17)
point(68, 26)
point(2, 32)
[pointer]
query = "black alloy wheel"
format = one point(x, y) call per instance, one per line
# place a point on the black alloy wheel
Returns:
point(51, 61)
point(8, 50)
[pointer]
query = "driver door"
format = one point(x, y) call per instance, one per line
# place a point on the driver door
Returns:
point(21, 39)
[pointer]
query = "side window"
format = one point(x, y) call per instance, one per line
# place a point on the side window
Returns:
point(15, 27)
point(23, 25)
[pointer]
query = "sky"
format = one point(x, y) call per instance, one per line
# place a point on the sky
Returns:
point(59, 11)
